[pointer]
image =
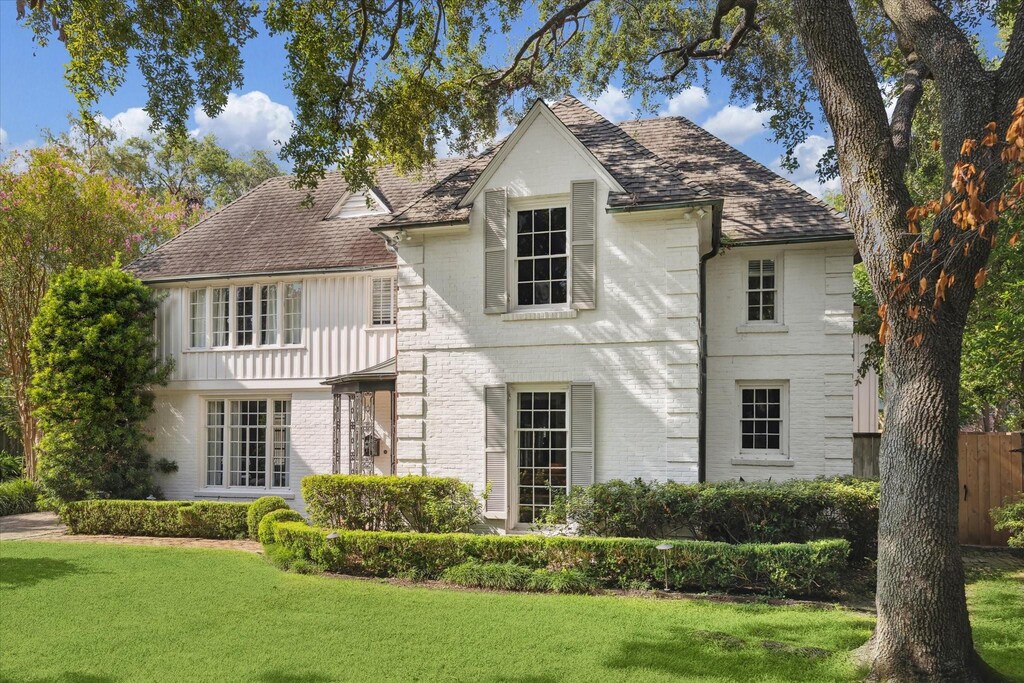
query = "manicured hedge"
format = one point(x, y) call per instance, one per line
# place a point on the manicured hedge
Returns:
point(17, 496)
point(265, 532)
point(781, 569)
point(793, 511)
point(1010, 517)
point(374, 503)
point(513, 577)
point(258, 509)
point(174, 518)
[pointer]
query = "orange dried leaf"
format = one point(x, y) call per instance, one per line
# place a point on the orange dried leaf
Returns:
point(922, 286)
point(1013, 238)
point(980, 277)
point(936, 145)
point(918, 338)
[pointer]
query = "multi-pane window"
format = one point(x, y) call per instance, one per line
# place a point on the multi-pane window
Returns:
point(293, 313)
point(243, 315)
point(541, 257)
point(382, 301)
point(543, 452)
point(268, 314)
point(247, 315)
point(197, 318)
point(221, 316)
point(248, 443)
point(761, 419)
point(215, 443)
point(761, 291)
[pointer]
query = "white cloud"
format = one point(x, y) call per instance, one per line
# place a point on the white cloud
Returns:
point(611, 104)
point(689, 103)
point(3, 137)
point(130, 123)
point(735, 124)
point(807, 154)
point(249, 121)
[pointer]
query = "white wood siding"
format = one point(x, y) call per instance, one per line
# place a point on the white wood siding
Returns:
point(337, 336)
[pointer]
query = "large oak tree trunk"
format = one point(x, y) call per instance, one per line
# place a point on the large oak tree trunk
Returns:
point(923, 632)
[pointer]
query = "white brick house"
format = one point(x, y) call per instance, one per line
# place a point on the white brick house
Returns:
point(583, 302)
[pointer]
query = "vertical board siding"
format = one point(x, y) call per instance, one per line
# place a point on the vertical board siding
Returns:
point(337, 338)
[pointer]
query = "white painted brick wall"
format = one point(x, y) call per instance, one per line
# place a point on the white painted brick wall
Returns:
point(814, 355)
point(179, 434)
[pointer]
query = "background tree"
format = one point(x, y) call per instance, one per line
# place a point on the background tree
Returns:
point(196, 171)
point(377, 82)
point(52, 216)
point(94, 360)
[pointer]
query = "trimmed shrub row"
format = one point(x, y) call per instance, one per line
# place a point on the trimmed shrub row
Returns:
point(17, 496)
point(792, 511)
point(1010, 517)
point(375, 503)
point(259, 509)
point(781, 569)
point(513, 577)
point(178, 518)
point(265, 531)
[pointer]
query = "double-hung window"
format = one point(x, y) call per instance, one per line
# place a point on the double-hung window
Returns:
point(243, 316)
point(543, 454)
point(761, 418)
point(541, 257)
point(382, 301)
point(762, 292)
point(248, 443)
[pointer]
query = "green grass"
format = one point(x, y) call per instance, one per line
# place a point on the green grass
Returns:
point(94, 612)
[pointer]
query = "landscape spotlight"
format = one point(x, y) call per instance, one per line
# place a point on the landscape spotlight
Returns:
point(333, 535)
point(664, 548)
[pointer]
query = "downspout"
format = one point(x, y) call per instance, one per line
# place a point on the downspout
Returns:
point(702, 400)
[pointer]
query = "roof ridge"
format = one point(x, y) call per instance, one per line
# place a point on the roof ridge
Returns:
point(700, 130)
point(664, 163)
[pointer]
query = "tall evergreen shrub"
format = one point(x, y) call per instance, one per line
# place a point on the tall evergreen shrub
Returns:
point(94, 362)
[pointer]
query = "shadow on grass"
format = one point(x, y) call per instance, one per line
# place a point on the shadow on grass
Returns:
point(16, 572)
point(730, 657)
point(292, 677)
point(67, 677)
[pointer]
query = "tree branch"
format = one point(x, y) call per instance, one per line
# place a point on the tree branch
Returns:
point(693, 49)
point(1011, 71)
point(903, 114)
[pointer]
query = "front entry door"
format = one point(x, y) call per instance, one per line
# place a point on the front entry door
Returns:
point(542, 452)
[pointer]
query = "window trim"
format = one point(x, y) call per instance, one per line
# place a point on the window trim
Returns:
point(514, 206)
point(763, 453)
point(280, 283)
point(370, 324)
point(512, 441)
point(225, 489)
point(780, 321)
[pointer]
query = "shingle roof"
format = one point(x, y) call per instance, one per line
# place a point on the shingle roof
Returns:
point(657, 161)
point(269, 230)
point(760, 205)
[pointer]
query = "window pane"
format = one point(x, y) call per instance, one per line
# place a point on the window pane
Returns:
point(243, 315)
point(558, 218)
point(221, 313)
point(282, 442)
point(541, 279)
point(248, 443)
point(268, 314)
point(292, 313)
point(524, 220)
point(543, 457)
point(215, 443)
point(197, 318)
point(761, 418)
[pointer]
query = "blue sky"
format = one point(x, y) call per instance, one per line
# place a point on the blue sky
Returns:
point(33, 97)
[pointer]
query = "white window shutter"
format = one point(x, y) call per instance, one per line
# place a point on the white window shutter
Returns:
point(495, 241)
point(584, 243)
point(581, 434)
point(496, 446)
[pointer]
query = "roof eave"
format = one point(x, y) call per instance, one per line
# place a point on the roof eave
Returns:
point(263, 273)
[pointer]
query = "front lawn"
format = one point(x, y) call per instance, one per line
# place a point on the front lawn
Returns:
point(84, 611)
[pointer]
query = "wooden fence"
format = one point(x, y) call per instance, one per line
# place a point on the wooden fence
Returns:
point(991, 470)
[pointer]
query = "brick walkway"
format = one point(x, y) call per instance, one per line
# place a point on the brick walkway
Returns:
point(45, 526)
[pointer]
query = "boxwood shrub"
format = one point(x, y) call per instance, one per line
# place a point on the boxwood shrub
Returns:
point(265, 533)
point(17, 496)
point(390, 503)
point(793, 511)
point(513, 577)
point(175, 518)
point(775, 569)
point(258, 509)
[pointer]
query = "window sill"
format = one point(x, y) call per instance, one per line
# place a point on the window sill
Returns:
point(772, 328)
point(379, 328)
point(540, 315)
point(264, 347)
point(762, 462)
point(287, 494)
